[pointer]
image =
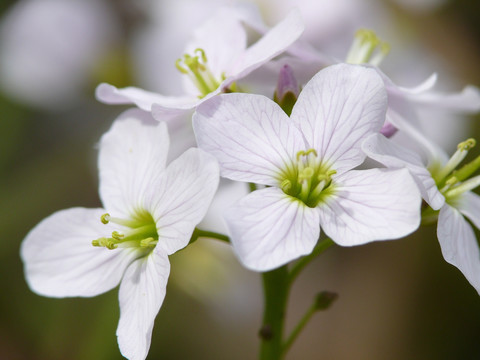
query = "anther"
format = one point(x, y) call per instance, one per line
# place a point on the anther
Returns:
point(117, 236)
point(105, 218)
point(286, 185)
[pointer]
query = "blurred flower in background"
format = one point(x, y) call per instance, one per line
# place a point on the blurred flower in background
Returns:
point(397, 299)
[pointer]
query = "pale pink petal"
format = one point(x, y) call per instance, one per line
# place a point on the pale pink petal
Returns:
point(109, 94)
point(469, 205)
point(268, 229)
point(338, 108)
point(370, 205)
point(430, 151)
point(274, 42)
point(132, 155)
point(61, 261)
point(250, 135)
point(141, 295)
point(395, 156)
point(466, 101)
point(459, 245)
point(181, 197)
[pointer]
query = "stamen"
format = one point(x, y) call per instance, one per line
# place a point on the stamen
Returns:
point(197, 70)
point(286, 185)
point(367, 48)
point(105, 218)
point(457, 158)
point(148, 242)
point(463, 187)
point(117, 236)
point(467, 169)
point(448, 184)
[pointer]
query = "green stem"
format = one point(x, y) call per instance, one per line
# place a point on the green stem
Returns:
point(298, 267)
point(298, 329)
point(197, 233)
point(322, 301)
point(275, 287)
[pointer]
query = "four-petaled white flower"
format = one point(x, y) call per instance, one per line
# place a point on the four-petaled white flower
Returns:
point(216, 57)
point(306, 162)
point(445, 190)
point(149, 213)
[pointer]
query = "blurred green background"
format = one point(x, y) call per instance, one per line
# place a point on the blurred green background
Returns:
point(397, 300)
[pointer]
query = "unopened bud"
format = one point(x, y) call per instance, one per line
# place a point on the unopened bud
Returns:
point(287, 90)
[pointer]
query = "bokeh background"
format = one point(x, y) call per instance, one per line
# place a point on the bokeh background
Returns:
point(397, 299)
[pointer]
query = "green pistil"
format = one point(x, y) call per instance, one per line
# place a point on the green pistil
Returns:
point(140, 233)
point(196, 68)
point(308, 180)
point(367, 48)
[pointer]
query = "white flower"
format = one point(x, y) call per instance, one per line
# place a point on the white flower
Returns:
point(149, 213)
point(306, 161)
point(216, 57)
point(446, 190)
point(408, 104)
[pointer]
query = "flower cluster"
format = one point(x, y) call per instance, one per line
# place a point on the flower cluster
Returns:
point(302, 146)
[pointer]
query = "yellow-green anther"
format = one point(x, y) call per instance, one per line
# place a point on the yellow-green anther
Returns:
point(467, 144)
point(311, 151)
point(180, 67)
point(117, 236)
point(105, 218)
point(202, 54)
point(286, 185)
point(449, 183)
point(148, 242)
point(95, 243)
point(367, 48)
point(331, 172)
point(300, 154)
point(457, 158)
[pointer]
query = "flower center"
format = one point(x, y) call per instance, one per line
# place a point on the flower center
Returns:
point(308, 179)
point(452, 182)
point(367, 48)
point(196, 68)
point(138, 233)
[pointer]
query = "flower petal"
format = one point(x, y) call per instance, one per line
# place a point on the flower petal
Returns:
point(132, 155)
point(268, 229)
point(274, 42)
point(109, 94)
point(224, 40)
point(459, 245)
point(466, 101)
point(338, 108)
point(250, 135)
point(395, 156)
point(141, 295)
point(61, 261)
point(370, 205)
point(180, 198)
point(469, 205)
